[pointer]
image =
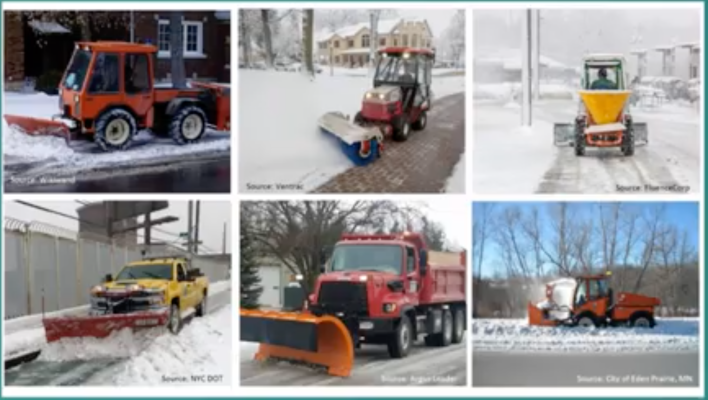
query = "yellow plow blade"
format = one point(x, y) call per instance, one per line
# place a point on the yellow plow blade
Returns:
point(324, 341)
point(604, 106)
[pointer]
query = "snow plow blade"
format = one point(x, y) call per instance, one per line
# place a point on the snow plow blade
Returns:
point(99, 326)
point(563, 134)
point(300, 337)
point(641, 133)
point(539, 317)
point(604, 106)
point(361, 145)
point(37, 126)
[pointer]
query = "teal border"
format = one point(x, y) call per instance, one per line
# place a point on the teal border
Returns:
point(471, 389)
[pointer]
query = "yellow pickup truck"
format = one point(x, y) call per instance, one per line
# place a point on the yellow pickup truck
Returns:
point(156, 285)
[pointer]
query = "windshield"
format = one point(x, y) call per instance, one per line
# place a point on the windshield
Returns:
point(151, 271)
point(76, 73)
point(608, 82)
point(383, 258)
point(396, 69)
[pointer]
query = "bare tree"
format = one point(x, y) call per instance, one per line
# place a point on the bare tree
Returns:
point(308, 22)
point(267, 40)
point(373, 37)
point(652, 226)
point(179, 78)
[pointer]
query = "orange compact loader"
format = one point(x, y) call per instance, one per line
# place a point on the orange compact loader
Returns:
point(594, 305)
point(108, 93)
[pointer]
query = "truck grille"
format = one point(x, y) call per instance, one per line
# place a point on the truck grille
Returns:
point(343, 297)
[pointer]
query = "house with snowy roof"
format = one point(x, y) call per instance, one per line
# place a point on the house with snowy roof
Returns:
point(349, 46)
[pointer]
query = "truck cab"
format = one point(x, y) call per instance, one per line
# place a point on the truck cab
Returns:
point(380, 287)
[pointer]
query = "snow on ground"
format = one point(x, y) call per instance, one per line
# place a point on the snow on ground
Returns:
point(670, 334)
point(201, 348)
point(506, 152)
point(509, 90)
point(280, 140)
point(364, 72)
point(26, 334)
point(456, 182)
point(147, 148)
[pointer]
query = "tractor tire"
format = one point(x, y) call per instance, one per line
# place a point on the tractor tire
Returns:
point(401, 129)
point(642, 321)
point(444, 338)
point(421, 122)
point(115, 130)
point(400, 343)
point(579, 141)
point(627, 145)
point(174, 322)
point(202, 307)
point(586, 322)
point(188, 125)
point(359, 119)
point(458, 325)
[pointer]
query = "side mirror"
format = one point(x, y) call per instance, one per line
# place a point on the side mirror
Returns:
point(108, 278)
point(423, 262)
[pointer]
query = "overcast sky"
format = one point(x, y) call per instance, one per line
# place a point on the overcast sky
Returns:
point(211, 225)
point(455, 217)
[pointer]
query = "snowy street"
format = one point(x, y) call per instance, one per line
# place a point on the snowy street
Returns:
point(509, 159)
point(47, 163)
point(372, 367)
point(283, 150)
point(511, 353)
point(200, 350)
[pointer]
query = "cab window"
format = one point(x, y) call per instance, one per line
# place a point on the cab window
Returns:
point(581, 293)
point(410, 260)
point(594, 290)
point(181, 274)
point(136, 73)
point(105, 76)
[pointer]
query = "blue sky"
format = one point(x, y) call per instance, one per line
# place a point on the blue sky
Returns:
point(683, 215)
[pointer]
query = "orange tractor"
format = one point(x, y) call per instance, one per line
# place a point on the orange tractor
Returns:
point(592, 303)
point(108, 93)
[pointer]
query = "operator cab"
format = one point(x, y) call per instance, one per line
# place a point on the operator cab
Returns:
point(604, 72)
point(409, 69)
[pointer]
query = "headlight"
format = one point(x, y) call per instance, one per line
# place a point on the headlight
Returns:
point(134, 288)
point(369, 95)
point(97, 289)
point(382, 96)
point(363, 278)
point(389, 308)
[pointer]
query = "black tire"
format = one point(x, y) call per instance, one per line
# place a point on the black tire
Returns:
point(421, 122)
point(642, 320)
point(359, 119)
point(174, 323)
point(202, 307)
point(401, 129)
point(579, 140)
point(400, 343)
point(181, 123)
point(586, 321)
point(115, 130)
point(445, 337)
point(628, 142)
point(458, 325)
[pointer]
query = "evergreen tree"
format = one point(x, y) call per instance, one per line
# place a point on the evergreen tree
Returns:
point(250, 281)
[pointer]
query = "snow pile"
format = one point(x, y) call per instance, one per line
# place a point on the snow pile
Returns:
point(82, 155)
point(508, 91)
point(516, 335)
point(280, 140)
point(202, 348)
point(456, 182)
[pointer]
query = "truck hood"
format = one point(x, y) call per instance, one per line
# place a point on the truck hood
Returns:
point(146, 283)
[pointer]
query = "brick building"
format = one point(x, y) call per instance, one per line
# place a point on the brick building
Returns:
point(28, 35)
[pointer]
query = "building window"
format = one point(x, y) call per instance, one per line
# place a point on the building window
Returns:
point(365, 41)
point(350, 43)
point(382, 42)
point(395, 42)
point(336, 44)
point(414, 41)
point(192, 40)
point(405, 40)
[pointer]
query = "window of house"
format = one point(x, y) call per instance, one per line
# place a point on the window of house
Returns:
point(382, 42)
point(350, 43)
point(395, 42)
point(192, 38)
point(405, 40)
point(336, 44)
point(136, 73)
point(365, 41)
point(414, 41)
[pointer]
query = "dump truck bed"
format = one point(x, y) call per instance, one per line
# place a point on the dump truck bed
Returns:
point(445, 281)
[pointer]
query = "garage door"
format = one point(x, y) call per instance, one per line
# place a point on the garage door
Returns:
point(270, 281)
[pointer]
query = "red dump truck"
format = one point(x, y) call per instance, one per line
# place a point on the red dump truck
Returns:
point(375, 289)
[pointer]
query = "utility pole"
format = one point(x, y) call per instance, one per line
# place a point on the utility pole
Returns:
point(132, 26)
point(526, 117)
point(196, 229)
point(536, 69)
point(223, 240)
point(148, 231)
point(190, 234)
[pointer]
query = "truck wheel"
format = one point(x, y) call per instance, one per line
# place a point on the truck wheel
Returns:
point(628, 143)
point(174, 323)
point(115, 130)
point(202, 307)
point(401, 129)
point(188, 125)
point(400, 343)
point(586, 322)
point(443, 338)
point(421, 122)
point(641, 321)
point(458, 323)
